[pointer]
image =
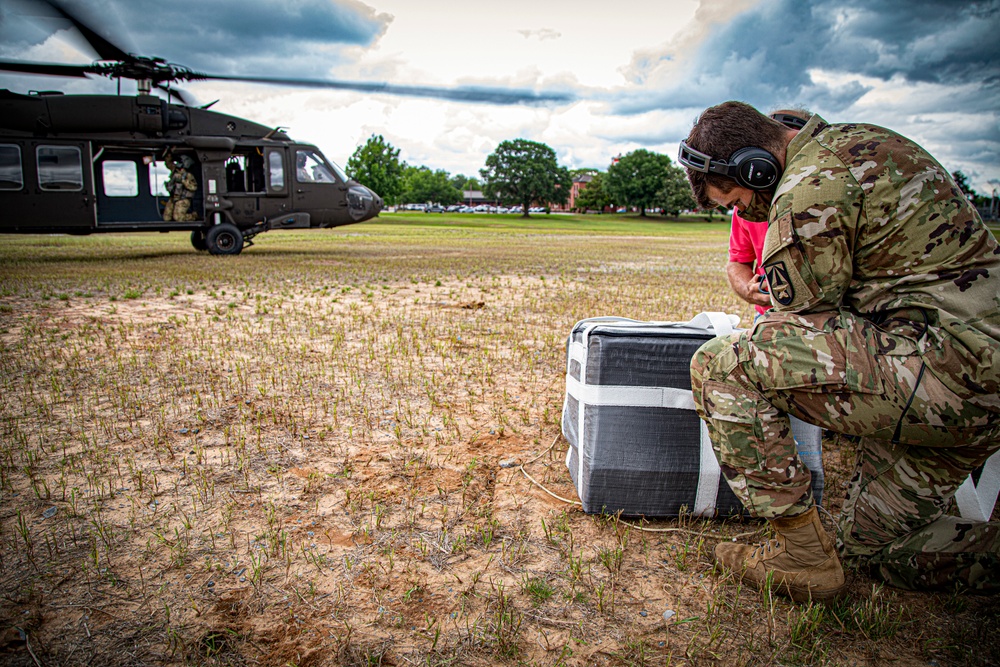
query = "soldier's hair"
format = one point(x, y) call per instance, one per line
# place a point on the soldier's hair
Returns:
point(721, 131)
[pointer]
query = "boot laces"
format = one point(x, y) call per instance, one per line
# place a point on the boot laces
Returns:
point(766, 548)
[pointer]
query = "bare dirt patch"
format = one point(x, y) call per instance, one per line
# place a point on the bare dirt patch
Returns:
point(321, 469)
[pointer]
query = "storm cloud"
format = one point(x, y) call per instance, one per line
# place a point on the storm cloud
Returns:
point(770, 53)
point(235, 37)
point(927, 68)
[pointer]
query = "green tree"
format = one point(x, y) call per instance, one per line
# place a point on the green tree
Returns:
point(421, 185)
point(463, 182)
point(593, 196)
point(676, 194)
point(377, 166)
point(637, 179)
point(962, 181)
point(525, 172)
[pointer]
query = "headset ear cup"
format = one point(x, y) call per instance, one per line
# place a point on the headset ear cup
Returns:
point(755, 168)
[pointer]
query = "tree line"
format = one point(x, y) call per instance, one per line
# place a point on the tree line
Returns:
point(527, 173)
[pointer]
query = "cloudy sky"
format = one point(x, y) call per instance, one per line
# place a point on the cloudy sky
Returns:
point(637, 72)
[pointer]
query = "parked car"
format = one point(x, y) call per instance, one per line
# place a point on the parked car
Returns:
point(434, 208)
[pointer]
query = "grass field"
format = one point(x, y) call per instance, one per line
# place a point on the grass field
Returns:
point(318, 453)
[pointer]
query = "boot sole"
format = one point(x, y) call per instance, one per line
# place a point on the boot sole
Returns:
point(799, 594)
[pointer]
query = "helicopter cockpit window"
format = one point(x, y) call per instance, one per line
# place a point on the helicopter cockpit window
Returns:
point(310, 168)
point(276, 170)
point(120, 178)
point(339, 172)
point(11, 172)
point(59, 168)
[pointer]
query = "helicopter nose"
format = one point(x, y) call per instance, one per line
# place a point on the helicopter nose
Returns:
point(363, 204)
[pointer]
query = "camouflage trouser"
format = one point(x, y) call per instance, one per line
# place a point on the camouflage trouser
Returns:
point(177, 209)
point(920, 440)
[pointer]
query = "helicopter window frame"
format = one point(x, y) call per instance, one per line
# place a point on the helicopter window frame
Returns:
point(118, 169)
point(11, 171)
point(61, 158)
point(276, 170)
point(310, 167)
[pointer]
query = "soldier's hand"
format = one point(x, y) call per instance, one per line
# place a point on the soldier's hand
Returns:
point(758, 292)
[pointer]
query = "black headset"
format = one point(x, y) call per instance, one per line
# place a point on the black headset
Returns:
point(751, 167)
point(790, 120)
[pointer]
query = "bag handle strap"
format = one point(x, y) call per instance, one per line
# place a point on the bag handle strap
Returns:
point(722, 323)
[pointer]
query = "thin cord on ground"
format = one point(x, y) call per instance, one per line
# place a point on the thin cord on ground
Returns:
point(687, 531)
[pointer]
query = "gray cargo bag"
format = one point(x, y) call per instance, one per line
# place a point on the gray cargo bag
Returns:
point(636, 445)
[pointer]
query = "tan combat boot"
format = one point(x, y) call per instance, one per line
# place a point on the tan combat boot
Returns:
point(802, 558)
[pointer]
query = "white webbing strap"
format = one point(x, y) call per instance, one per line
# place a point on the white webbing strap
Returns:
point(722, 323)
point(976, 501)
point(708, 478)
point(641, 397)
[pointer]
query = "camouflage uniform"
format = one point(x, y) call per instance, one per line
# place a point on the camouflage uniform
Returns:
point(886, 326)
point(181, 185)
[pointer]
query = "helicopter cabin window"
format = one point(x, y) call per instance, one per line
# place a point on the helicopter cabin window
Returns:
point(11, 173)
point(309, 168)
point(276, 170)
point(245, 172)
point(59, 168)
point(120, 178)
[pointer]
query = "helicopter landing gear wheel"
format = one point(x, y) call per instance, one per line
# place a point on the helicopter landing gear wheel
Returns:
point(224, 239)
point(198, 240)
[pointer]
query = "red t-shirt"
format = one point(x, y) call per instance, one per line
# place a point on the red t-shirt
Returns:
point(746, 244)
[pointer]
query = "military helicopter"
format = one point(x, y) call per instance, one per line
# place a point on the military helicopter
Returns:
point(84, 164)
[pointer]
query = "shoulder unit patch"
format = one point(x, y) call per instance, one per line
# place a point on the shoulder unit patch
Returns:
point(779, 283)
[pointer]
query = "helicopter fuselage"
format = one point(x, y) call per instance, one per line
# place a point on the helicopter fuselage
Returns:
point(83, 164)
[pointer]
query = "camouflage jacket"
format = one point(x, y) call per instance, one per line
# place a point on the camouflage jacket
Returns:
point(181, 183)
point(866, 220)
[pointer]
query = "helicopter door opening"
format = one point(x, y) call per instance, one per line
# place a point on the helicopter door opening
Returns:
point(118, 188)
point(131, 190)
point(245, 172)
point(247, 185)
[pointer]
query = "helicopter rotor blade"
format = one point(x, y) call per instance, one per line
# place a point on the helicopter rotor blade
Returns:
point(120, 64)
point(51, 69)
point(485, 94)
point(104, 48)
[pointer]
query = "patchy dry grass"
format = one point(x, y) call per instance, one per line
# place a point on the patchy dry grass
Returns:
point(293, 457)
